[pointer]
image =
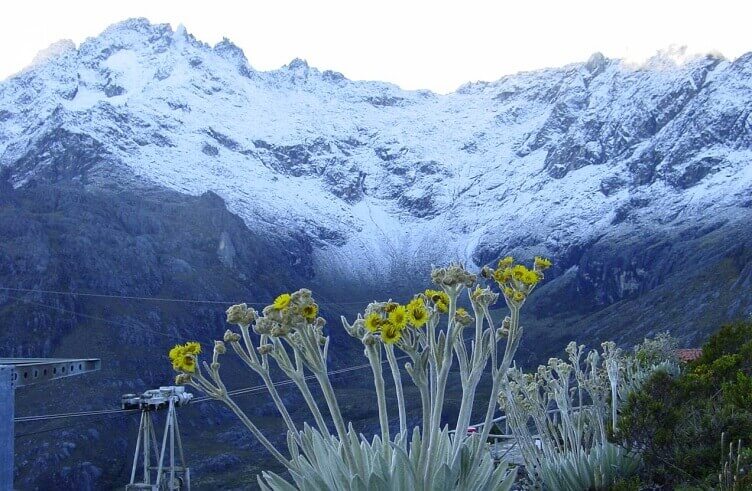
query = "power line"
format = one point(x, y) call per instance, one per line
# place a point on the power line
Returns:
point(68, 426)
point(93, 317)
point(198, 400)
point(43, 417)
point(159, 299)
point(124, 297)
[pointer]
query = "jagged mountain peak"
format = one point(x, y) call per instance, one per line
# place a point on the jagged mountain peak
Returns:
point(574, 152)
point(54, 50)
point(678, 56)
point(148, 163)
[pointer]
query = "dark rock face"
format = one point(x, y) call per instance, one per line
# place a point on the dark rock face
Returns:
point(61, 154)
point(626, 286)
point(634, 180)
point(134, 243)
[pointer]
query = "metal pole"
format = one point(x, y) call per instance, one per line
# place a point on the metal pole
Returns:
point(6, 427)
point(147, 462)
point(141, 429)
point(172, 444)
point(180, 442)
point(164, 447)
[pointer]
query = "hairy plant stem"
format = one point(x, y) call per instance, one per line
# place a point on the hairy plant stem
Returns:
point(317, 365)
point(499, 372)
point(250, 359)
point(339, 423)
point(441, 380)
point(256, 432)
point(397, 376)
point(373, 352)
point(470, 376)
point(297, 375)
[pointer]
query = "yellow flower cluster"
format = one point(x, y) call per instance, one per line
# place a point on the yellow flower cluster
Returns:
point(516, 280)
point(542, 263)
point(183, 356)
point(390, 320)
point(308, 310)
point(439, 298)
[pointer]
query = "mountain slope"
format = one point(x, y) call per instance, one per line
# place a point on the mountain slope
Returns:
point(635, 180)
point(576, 150)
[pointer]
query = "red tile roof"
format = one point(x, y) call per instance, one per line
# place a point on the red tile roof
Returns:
point(688, 354)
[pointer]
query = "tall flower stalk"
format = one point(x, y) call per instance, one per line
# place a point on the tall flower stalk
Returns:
point(559, 415)
point(431, 330)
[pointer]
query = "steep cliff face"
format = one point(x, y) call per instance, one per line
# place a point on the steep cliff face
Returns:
point(147, 163)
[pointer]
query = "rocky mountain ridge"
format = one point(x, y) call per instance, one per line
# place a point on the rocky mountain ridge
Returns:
point(147, 163)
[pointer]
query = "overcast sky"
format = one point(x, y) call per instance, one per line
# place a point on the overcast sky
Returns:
point(415, 44)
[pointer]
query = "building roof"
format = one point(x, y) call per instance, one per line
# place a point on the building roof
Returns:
point(688, 354)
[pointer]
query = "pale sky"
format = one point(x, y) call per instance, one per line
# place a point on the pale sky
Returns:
point(415, 44)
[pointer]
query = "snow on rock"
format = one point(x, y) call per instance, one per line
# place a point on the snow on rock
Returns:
point(373, 174)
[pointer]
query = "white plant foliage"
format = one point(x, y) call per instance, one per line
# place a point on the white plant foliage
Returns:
point(560, 415)
point(290, 334)
point(599, 468)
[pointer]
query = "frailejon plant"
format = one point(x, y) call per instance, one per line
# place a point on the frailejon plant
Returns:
point(562, 415)
point(431, 331)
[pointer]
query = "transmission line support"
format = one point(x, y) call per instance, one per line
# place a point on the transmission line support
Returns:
point(164, 475)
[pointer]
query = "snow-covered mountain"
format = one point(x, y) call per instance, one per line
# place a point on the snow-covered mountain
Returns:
point(371, 173)
point(146, 163)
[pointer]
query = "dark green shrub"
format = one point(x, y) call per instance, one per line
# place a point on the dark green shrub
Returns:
point(631, 484)
point(676, 422)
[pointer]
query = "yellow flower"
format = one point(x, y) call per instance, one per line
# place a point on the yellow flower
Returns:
point(175, 352)
point(542, 263)
point(442, 306)
point(188, 363)
point(183, 357)
point(503, 275)
point(390, 306)
point(310, 311)
point(462, 317)
point(390, 333)
point(518, 296)
point(530, 278)
point(398, 316)
point(193, 347)
point(282, 301)
point(373, 322)
point(440, 299)
point(508, 292)
point(519, 272)
point(506, 262)
point(417, 314)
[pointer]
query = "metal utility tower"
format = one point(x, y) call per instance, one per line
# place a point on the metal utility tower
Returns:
point(21, 372)
point(169, 476)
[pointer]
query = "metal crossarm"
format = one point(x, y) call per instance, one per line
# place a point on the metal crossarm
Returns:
point(22, 372)
point(30, 371)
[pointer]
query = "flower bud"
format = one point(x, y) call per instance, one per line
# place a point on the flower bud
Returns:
point(265, 349)
point(369, 339)
point(241, 314)
point(453, 275)
point(219, 347)
point(182, 379)
point(231, 337)
point(279, 331)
